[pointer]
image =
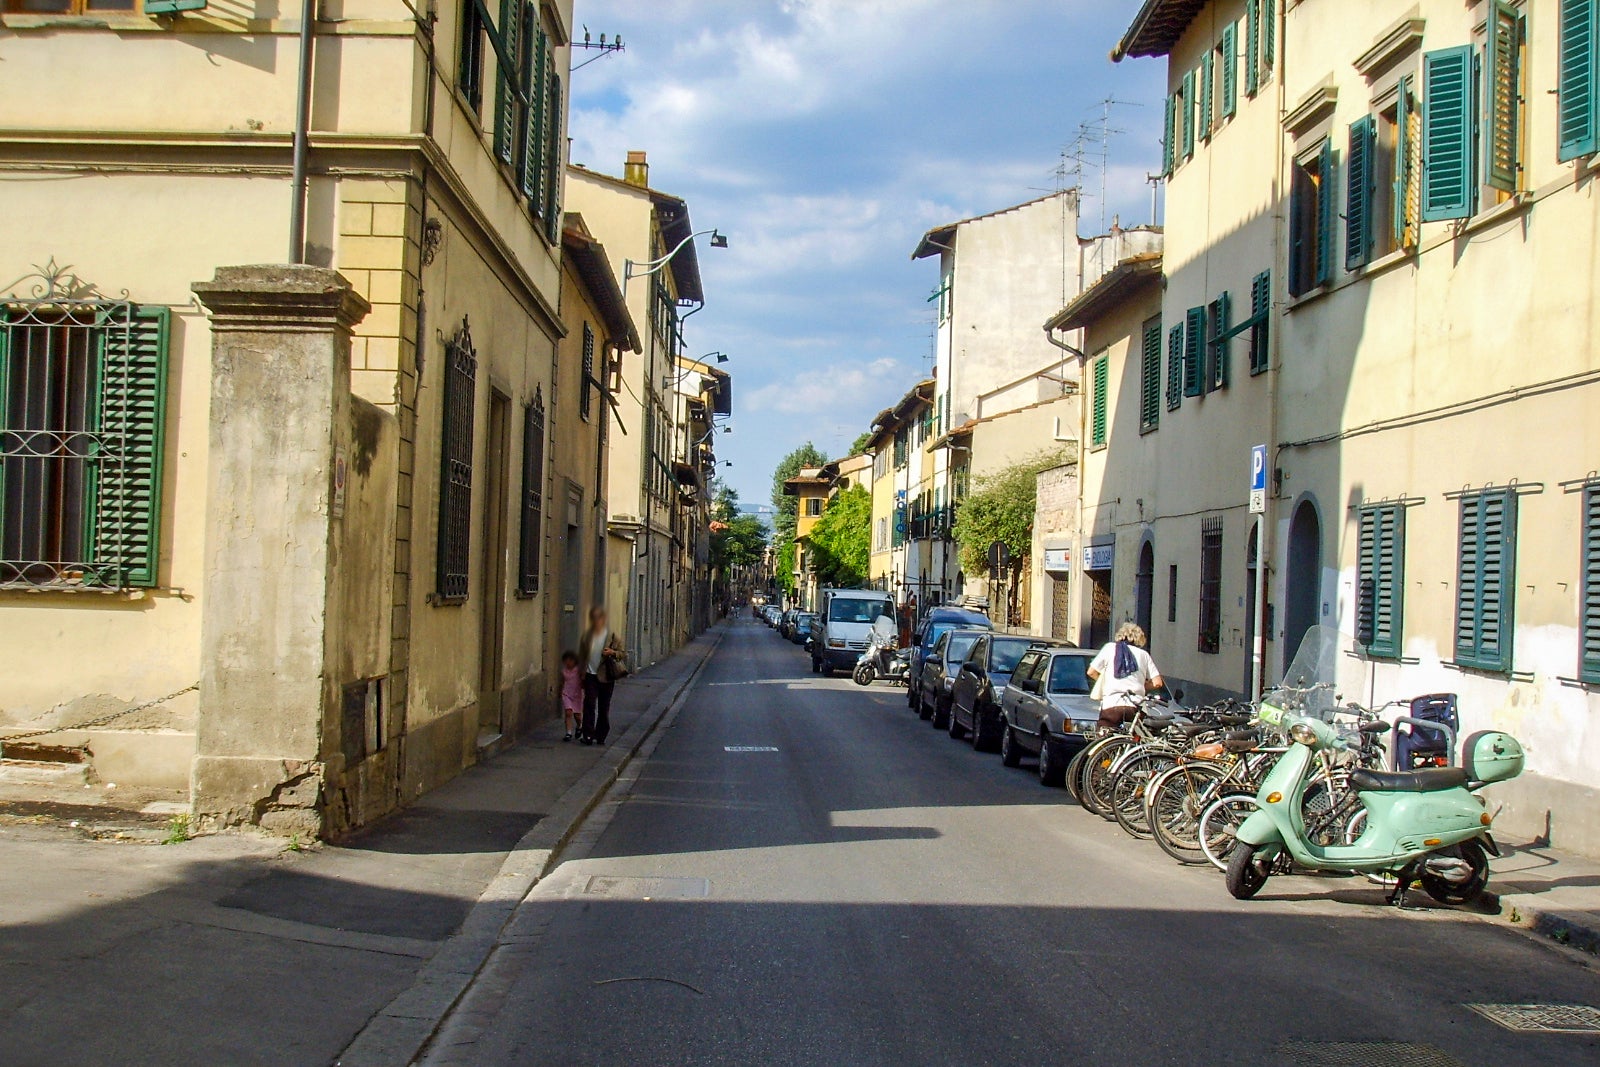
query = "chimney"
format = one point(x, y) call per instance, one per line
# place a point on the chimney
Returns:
point(636, 171)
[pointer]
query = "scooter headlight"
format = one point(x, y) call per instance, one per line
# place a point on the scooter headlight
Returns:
point(1303, 733)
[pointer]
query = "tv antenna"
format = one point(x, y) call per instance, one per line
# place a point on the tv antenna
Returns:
point(602, 46)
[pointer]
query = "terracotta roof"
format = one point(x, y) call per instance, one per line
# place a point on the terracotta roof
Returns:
point(1116, 285)
point(594, 268)
point(1156, 28)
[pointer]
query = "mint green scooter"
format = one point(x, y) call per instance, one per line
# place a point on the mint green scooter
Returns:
point(1424, 826)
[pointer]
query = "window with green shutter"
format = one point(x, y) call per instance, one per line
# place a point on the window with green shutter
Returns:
point(1486, 580)
point(1175, 368)
point(1311, 221)
point(1187, 118)
point(1359, 189)
point(531, 549)
point(1590, 667)
point(1448, 171)
point(82, 423)
point(1230, 69)
point(1207, 93)
point(1502, 103)
point(1380, 593)
point(532, 171)
point(1577, 95)
point(1150, 377)
point(1169, 146)
point(469, 54)
point(1098, 416)
point(1406, 165)
point(1252, 52)
point(1325, 215)
point(1194, 330)
point(511, 89)
point(553, 159)
point(1218, 334)
point(1269, 36)
point(1260, 320)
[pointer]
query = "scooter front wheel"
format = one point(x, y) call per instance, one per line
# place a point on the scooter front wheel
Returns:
point(863, 674)
point(1460, 881)
point(1247, 871)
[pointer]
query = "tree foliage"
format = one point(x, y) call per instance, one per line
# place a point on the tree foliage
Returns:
point(736, 540)
point(1000, 508)
point(859, 445)
point(841, 541)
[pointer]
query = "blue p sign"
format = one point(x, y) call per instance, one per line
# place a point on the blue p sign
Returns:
point(1258, 468)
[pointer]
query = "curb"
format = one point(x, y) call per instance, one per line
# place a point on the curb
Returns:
point(1523, 911)
point(400, 1029)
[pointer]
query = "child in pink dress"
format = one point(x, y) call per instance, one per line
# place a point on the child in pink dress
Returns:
point(571, 691)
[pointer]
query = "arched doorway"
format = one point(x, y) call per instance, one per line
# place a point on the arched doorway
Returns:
point(1303, 591)
point(1144, 588)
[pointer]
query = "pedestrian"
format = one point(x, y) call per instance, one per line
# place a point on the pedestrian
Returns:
point(601, 657)
point(1123, 673)
point(571, 692)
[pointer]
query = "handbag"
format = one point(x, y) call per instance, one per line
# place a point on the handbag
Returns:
point(616, 667)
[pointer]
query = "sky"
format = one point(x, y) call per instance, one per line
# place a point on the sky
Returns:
point(824, 137)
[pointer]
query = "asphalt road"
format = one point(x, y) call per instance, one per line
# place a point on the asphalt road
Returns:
point(874, 893)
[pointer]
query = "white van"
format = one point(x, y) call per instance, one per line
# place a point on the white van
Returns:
point(844, 619)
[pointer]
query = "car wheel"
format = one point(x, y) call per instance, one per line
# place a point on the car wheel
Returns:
point(1052, 768)
point(941, 713)
point(1010, 751)
point(924, 712)
point(979, 735)
point(953, 723)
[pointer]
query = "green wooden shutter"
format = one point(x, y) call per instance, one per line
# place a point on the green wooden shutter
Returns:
point(1380, 597)
point(1260, 320)
point(1187, 117)
point(1217, 347)
point(1150, 377)
point(1400, 192)
point(1252, 52)
point(1269, 35)
point(1358, 228)
point(1194, 329)
point(1325, 187)
point(1230, 69)
point(554, 169)
point(1097, 419)
point(533, 168)
point(1503, 96)
point(1447, 134)
point(508, 94)
point(1576, 91)
point(1590, 667)
point(1207, 93)
point(172, 7)
point(126, 480)
point(1169, 145)
point(1174, 368)
point(1486, 580)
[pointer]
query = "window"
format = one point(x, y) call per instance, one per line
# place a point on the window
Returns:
point(1260, 37)
point(1502, 97)
point(1172, 592)
point(1169, 143)
point(1150, 377)
point(1230, 69)
point(586, 395)
point(1578, 99)
point(1486, 579)
point(1194, 328)
point(1174, 368)
point(813, 506)
point(1068, 674)
point(902, 448)
point(881, 540)
point(1311, 221)
point(1218, 316)
point(1097, 416)
point(1396, 164)
point(527, 101)
point(1380, 594)
point(1260, 320)
point(1447, 134)
point(455, 466)
point(1360, 191)
point(1589, 669)
point(469, 60)
point(1207, 99)
point(1211, 585)
point(532, 495)
point(1187, 118)
point(82, 418)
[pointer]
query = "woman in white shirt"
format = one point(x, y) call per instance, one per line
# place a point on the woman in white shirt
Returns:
point(1123, 672)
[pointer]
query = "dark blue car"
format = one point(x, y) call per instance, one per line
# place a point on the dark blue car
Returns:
point(936, 622)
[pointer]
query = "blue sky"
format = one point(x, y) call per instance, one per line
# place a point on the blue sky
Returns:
point(824, 137)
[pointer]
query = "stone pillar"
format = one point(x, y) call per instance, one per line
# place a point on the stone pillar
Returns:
point(280, 399)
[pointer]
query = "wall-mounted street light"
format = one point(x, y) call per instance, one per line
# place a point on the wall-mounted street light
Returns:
point(721, 357)
point(630, 269)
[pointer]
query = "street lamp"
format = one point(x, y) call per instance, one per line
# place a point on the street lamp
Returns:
point(721, 357)
point(630, 269)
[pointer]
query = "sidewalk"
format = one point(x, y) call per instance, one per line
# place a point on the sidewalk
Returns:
point(233, 949)
point(1550, 892)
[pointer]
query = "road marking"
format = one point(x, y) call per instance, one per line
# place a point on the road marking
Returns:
point(1542, 1018)
point(749, 748)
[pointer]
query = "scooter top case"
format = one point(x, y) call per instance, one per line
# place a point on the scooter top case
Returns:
point(1491, 756)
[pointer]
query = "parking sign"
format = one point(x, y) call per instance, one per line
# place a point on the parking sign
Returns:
point(1258, 479)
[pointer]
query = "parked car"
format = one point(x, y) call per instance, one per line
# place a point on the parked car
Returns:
point(1047, 710)
point(938, 674)
point(801, 631)
point(785, 621)
point(769, 615)
point(936, 622)
point(975, 696)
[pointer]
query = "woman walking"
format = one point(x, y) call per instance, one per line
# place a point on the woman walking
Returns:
point(601, 657)
point(1123, 673)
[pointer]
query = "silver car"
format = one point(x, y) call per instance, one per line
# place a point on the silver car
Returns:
point(1047, 710)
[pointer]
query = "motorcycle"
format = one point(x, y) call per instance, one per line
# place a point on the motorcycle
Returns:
point(1428, 826)
point(883, 658)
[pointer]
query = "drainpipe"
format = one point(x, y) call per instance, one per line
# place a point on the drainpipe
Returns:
point(302, 125)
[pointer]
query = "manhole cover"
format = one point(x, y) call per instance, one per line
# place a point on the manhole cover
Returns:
point(1542, 1018)
point(621, 887)
point(749, 748)
point(1363, 1054)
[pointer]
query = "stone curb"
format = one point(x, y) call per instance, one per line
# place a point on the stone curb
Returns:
point(1526, 912)
point(400, 1029)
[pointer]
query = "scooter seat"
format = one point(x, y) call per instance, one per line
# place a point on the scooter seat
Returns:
point(1428, 780)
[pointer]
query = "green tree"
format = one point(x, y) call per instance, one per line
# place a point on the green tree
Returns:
point(1000, 508)
point(859, 445)
point(841, 541)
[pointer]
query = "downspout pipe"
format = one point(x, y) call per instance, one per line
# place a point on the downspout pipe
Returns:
point(302, 125)
point(1077, 353)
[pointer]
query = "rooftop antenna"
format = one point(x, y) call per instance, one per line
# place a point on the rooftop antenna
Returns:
point(602, 46)
point(1099, 131)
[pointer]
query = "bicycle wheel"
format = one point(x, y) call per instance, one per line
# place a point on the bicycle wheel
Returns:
point(1074, 782)
point(1219, 826)
point(1172, 810)
point(1097, 774)
point(1133, 785)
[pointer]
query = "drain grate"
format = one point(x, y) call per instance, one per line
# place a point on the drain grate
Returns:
point(1363, 1054)
point(1542, 1018)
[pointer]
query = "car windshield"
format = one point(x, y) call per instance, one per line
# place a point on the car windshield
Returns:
point(1003, 655)
point(1067, 674)
point(960, 645)
point(853, 609)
